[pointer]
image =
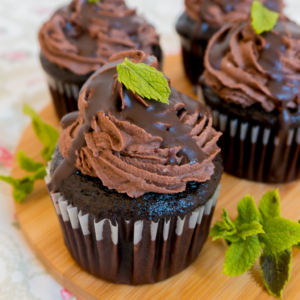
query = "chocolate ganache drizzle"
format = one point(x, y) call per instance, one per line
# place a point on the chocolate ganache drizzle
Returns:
point(216, 13)
point(82, 36)
point(136, 145)
point(245, 68)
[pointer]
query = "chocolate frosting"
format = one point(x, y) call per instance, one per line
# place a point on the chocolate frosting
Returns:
point(135, 145)
point(82, 36)
point(216, 13)
point(245, 68)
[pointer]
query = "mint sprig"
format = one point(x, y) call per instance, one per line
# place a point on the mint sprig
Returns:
point(49, 137)
point(144, 80)
point(262, 18)
point(257, 231)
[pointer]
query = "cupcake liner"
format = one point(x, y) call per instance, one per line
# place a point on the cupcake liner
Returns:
point(258, 153)
point(64, 95)
point(134, 251)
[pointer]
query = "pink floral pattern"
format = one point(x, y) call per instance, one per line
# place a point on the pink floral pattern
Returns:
point(5, 157)
point(14, 55)
point(66, 295)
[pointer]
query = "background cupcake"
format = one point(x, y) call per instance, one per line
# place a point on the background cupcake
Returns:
point(252, 82)
point(135, 181)
point(203, 18)
point(79, 39)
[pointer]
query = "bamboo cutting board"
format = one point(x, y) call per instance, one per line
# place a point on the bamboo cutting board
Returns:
point(202, 280)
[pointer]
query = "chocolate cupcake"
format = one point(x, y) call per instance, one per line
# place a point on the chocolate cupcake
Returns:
point(201, 20)
point(135, 181)
point(251, 83)
point(79, 39)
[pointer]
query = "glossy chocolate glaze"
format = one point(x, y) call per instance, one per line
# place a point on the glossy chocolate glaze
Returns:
point(90, 196)
point(158, 119)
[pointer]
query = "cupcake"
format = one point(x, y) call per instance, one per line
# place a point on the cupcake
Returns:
point(134, 181)
point(201, 20)
point(79, 39)
point(251, 82)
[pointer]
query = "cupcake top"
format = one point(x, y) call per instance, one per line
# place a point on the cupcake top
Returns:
point(132, 144)
point(245, 68)
point(216, 13)
point(83, 35)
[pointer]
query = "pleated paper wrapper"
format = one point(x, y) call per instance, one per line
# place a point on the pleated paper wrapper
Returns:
point(129, 251)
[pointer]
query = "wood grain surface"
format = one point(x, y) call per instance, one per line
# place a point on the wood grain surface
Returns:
point(202, 280)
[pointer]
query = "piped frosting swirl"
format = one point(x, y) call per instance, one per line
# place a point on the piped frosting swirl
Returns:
point(135, 145)
point(82, 36)
point(216, 13)
point(245, 68)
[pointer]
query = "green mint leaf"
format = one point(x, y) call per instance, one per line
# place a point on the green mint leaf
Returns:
point(28, 164)
point(298, 245)
point(246, 230)
point(144, 80)
point(241, 256)
point(263, 19)
point(24, 186)
point(47, 135)
point(247, 211)
point(224, 229)
point(276, 270)
point(269, 206)
point(279, 234)
point(93, 1)
point(228, 224)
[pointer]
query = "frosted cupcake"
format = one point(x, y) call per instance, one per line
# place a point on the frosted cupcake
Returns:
point(79, 39)
point(135, 181)
point(251, 83)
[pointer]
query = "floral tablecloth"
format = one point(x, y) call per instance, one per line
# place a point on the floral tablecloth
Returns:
point(22, 81)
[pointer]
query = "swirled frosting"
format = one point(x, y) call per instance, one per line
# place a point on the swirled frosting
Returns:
point(245, 68)
point(135, 145)
point(82, 36)
point(216, 13)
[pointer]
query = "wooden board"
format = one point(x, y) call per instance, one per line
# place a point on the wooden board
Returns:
point(202, 280)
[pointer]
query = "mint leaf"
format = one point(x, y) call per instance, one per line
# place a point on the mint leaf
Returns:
point(246, 230)
point(28, 164)
point(47, 135)
point(224, 229)
point(247, 211)
point(144, 80)
point(298, 245)
point(24, 186)
point(263, 19)
point(228, 224)
point(279, 234)
point(269, 206)
point(276, 269)
point(93, 1)
point(241, 256)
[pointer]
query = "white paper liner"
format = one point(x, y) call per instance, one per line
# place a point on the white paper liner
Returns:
point(70, 90)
